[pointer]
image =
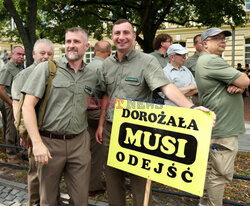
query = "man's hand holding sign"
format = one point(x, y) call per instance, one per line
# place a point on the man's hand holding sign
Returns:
point(149, 137)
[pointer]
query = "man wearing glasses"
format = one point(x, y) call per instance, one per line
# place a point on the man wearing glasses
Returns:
point(178, 74)
point(161, 44)
point(220, 87)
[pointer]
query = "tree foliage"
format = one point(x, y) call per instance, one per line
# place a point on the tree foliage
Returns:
point(97, 16)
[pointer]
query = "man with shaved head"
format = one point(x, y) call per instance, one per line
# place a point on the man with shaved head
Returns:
point(101, 51)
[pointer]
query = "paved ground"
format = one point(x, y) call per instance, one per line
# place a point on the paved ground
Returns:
point(247, 109)
point(244, 140)
point(15, 194)
point(12, 193)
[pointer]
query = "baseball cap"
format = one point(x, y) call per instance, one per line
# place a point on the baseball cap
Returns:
point(213, 32)
point(176, 49)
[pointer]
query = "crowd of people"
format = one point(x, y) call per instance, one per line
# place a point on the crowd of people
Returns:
point(73, 139)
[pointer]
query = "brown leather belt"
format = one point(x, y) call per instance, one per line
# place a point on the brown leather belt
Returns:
point(57, 136)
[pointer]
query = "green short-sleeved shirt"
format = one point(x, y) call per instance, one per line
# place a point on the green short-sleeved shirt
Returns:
point(135, 77)
point(66, 108)
point(9, 71)
point(19, 81)
point(160, 57)
point(95, 65)
point(213, 75)
point(191, 63)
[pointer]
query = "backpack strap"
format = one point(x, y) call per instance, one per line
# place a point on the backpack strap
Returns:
point(19, 111)
point(52, 72)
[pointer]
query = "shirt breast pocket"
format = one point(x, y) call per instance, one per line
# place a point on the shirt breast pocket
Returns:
point(88, 90)
point(133, 87)
point(61, 84)
point(60, 90)
point(62, 87)
point(132, 81)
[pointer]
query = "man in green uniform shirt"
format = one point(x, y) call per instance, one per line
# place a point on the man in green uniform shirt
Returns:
point(102, 50)
point(191, 62)
point(130, 74)
point(10, 70)
point(161, 44)
point(220, 87)
point(43, 50)
point(62, 145)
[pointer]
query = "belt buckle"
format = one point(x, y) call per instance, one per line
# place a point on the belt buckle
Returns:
point(64, 137)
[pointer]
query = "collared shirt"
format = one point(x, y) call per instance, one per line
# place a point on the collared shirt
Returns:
point(163, 60)
point(135, 77)
point(213, 75)
point(95, 65)
point(191, 63)
point(9, 71)
point(181, 77)
point(19, 81)
point(66, 108)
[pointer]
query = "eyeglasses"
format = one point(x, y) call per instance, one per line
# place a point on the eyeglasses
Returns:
point(169, 41)
point(218, 38)
point(181, 55)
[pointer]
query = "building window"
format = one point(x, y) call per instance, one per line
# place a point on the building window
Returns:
point(181, 43)
point(247, 5)
point(247, 51)
point(89, 55)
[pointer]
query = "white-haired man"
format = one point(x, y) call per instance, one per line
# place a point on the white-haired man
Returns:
point(178, 74)
point(43, 50)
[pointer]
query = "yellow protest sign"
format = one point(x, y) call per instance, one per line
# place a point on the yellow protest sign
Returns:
point(165, 144)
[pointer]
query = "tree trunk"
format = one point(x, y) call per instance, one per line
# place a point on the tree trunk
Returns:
point(147, 26)
point(148, 33)
point(27, 33)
